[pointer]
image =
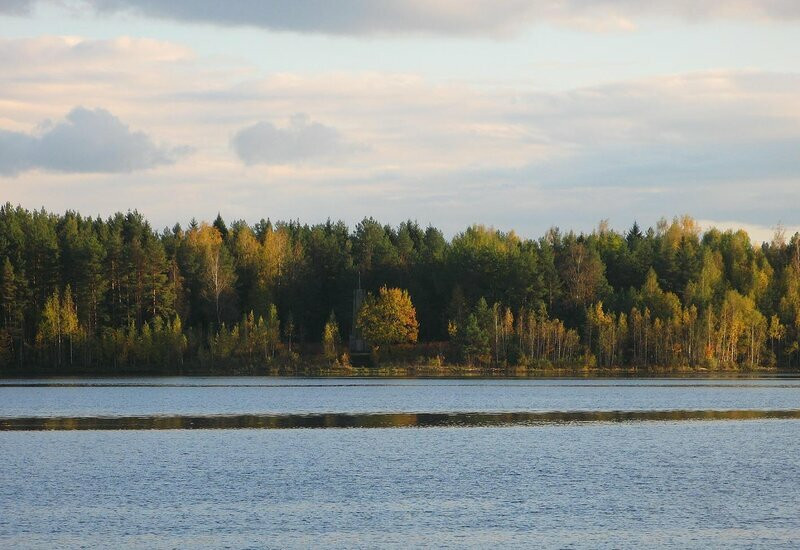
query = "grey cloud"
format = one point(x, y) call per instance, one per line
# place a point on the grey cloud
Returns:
point(431, 16)
point(300, 141)
point(707, 128)
point(339, 17)
point(695, 110)
point(86, 141)
point(16, 7)
point(15, 152)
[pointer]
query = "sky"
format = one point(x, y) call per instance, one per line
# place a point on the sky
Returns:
point(521, 114)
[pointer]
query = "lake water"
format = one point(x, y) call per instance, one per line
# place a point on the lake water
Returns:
point(197, 396)
point(584, 484)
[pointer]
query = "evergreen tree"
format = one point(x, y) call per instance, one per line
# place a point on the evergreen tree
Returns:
point(115, 294)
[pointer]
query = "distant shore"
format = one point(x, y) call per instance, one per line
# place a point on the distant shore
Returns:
point(418, 371)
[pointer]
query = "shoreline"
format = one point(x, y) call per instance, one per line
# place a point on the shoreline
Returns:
point(425, 372)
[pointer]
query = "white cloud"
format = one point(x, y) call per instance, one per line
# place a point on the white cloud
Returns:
point(719, 145)
point(86, 141)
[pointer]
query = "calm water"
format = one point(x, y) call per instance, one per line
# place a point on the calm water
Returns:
point(166, 396)
point(701, 484)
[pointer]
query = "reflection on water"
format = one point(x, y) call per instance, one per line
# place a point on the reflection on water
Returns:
point(376, 420)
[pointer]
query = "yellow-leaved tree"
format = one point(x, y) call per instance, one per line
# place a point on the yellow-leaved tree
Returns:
point(215, 267)
point(388, 318)
point(330, 340)
point(59, 321)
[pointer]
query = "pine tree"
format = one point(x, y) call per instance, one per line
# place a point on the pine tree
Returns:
point(475, 342)
point(8, 293)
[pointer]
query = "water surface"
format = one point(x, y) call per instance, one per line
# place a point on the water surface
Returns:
point(475, 463)
point(598, 485)
point(259, 395)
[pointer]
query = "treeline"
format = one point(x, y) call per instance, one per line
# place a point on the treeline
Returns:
point(115, 295)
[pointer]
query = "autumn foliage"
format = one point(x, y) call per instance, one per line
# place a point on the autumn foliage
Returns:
point(115, 295)
point(388, 318)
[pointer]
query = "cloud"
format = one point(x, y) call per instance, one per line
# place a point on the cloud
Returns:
point(47, 57)
point(720, 145)
point(300, 141)
point(16, 7)
point(86, 141)
point(15, 152)
point(340, 17)
point(447, 17)
point(695, 129)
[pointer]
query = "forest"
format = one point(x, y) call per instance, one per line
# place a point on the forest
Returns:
point(81, 294)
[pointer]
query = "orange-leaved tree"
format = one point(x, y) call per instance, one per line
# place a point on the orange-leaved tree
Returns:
point(388, 318)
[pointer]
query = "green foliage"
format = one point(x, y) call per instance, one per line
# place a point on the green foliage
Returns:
point(114, 294)
point(474, 342)
point(496, 336)
point(583, 273)
point(650, 296)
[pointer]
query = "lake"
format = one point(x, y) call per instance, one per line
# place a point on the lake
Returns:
point(516, 481)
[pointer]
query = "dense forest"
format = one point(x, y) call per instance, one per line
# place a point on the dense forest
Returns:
point(80, 294)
